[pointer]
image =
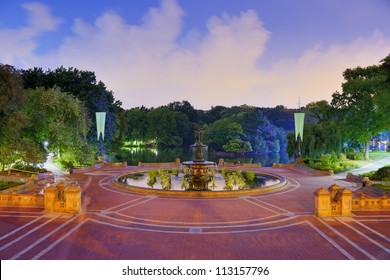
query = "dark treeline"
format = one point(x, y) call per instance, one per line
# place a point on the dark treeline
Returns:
point(230, 129)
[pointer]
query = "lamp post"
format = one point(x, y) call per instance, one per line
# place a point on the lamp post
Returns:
point(100, 124)
point(299, 119)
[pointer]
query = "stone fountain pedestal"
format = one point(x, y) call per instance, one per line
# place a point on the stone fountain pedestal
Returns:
point(199, 176)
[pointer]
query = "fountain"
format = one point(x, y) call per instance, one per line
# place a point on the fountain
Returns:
point(195, 176)
point(198, 177)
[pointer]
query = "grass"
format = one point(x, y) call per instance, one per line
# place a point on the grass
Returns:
point(382, 187)
point(342, 166)
point(379, 155)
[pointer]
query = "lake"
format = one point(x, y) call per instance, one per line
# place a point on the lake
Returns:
point(133, 155)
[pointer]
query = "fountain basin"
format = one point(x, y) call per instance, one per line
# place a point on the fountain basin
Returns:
point(274, 183)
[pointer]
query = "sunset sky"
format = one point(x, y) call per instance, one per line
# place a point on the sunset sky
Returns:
point(217, 52)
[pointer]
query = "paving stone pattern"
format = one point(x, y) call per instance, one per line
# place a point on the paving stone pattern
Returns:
point(116, 224)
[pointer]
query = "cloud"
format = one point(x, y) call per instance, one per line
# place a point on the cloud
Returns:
point(18, 44)
point(149, 65)
point(317, 73)
point(40, 18)
point(155, 62)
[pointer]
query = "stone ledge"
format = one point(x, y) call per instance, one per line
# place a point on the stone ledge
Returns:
point(96, 166)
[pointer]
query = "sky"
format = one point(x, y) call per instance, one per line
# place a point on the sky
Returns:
point(218, 52)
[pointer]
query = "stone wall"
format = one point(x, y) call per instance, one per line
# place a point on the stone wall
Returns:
point(96, 166)
point(21, 200)
point(62, 197)
point(223, 163)
point(364, 202)
point(174, 164)
point(336, 201)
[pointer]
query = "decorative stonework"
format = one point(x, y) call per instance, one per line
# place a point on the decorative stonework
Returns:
point(21, 200)
point(333, 201)
point(63, 198)
point(336, 201)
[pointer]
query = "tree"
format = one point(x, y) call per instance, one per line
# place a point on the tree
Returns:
point(360, 116)
point(319, 139)
point(382, 100)
point(186, 108)
point(322, 111)
point(226, 134)
point(212, 115)
point(136, 123)
point(165, 126)
point(60, 119)
point(14, 145)
point(83, 86)
point(12, 94)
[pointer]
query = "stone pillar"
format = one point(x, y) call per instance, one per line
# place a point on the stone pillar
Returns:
point(334, 189)
point(15, 198)
point(73, 199)
point(49, 198)
point(177, 162)
point(322, 203)
point(346, 202)
point(362, 200)
point(384, 201)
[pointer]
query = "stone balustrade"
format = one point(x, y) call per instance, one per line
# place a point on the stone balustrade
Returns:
point(223, 163)
point(283, 165)
point(176, 163)
point(337, 201)
point(62, 197)
point(364, 202)
point(21, 200)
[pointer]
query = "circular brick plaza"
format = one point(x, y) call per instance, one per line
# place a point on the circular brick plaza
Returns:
point(118, 224)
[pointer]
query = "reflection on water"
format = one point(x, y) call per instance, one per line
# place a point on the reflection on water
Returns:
point(133, 155)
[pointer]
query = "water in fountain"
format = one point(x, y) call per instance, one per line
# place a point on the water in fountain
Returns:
point(198, 175)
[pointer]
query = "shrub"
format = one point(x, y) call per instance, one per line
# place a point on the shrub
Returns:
point(345, 166)
point(8, 184)
point(152, 177)
point(175, 172)
point(29, 168)
point(184, 182)
point(342, 157)
point(225, 173)
point(328, 162)
point(355, 156)
point(383, 174)
point(250, 176)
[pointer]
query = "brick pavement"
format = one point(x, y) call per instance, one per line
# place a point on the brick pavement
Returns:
point(116, 224)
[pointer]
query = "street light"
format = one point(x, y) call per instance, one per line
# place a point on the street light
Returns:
point(100, 124)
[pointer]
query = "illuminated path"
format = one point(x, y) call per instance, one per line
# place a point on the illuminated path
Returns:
point(116, 224)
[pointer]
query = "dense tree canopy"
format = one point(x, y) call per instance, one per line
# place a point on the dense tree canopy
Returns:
point(59, 106)
point(15, 146)
point(83, 86)
point(361, 114)
point(59, 120)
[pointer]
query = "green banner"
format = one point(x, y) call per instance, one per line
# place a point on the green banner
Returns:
point(100, 123)
point(299, 121)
